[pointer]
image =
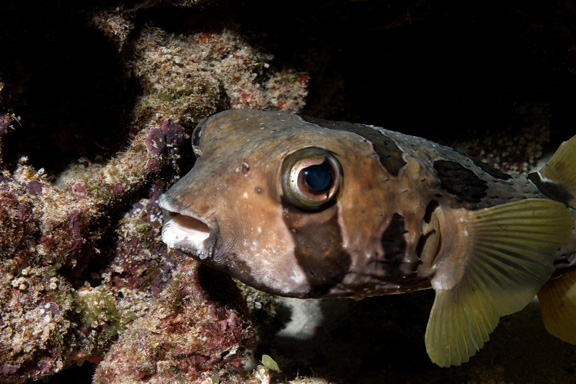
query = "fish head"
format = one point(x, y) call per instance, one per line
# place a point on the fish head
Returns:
point(283, 205)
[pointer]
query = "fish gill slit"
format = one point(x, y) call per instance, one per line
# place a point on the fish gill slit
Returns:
point(433, 205)
point(425, 250)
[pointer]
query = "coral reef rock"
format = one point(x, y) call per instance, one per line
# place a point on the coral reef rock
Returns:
point(97, 104)
point(85, 276)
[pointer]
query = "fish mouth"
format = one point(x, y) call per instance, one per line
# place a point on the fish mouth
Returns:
point(185, 231)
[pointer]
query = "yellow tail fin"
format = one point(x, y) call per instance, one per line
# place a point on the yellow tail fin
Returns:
point(558, 302)
point(557, 179)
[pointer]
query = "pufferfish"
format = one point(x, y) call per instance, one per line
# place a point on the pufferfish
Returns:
point(310, 208)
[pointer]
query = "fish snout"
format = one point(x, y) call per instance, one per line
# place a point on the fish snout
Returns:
point(185, 230)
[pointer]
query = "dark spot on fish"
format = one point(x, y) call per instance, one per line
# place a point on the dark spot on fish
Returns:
point(555, 191)
point(318, 249)
point(259, 190)
point(394, 244)
point(461, 182)
point(496, 173)
point(392, 269)
point(386, 149)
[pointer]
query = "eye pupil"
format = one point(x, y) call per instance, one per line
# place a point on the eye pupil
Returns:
point(319, 177)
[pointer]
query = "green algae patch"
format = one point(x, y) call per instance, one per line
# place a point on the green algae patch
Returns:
point(97, 308)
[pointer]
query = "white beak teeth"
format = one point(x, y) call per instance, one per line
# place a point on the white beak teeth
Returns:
point(185, 232)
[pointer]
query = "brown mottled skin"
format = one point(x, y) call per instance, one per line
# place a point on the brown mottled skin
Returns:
point(396, 212)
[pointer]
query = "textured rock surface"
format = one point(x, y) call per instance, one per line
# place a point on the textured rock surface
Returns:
point(186, 336)
point(97, 102)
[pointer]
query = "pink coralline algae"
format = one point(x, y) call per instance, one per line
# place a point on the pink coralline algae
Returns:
point(98, 101)
point(85, 275)
point(72, 281)
point(50, 235)
point(185, 337)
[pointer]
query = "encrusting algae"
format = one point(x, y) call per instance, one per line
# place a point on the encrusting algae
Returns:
point(81, 256)
point(84, 276)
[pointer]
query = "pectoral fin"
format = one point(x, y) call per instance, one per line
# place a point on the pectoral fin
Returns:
point(508, 254)
point(558, 302)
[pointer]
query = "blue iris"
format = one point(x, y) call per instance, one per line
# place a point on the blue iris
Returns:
point(319, 177)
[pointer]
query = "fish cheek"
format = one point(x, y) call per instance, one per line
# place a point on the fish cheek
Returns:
point(251, 244)
point(318, 248)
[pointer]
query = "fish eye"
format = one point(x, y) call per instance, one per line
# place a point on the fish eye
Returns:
point(311, 177)
point(196, 137)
